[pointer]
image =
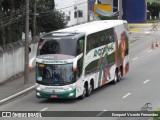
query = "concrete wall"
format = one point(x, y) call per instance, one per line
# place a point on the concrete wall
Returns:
point(12, 62)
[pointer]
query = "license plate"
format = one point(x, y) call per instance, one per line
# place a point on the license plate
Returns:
point(54, 96)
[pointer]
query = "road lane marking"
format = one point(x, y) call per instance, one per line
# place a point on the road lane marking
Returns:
point(135, 58)
point(99, 114)
point(126, 95)
point(146, 81)
point(17, 94)
point(147, 32)
point(44, 109)
point(150, 51)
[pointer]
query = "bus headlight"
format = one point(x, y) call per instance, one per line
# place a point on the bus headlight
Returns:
point(38, 88)
point(70, 88)
point(71, 94)
point(38, 94)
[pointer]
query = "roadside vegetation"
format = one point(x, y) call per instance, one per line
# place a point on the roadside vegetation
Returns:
point(156, 118)
point(154, 9)
point(43, 18)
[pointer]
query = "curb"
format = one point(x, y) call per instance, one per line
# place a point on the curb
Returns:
point(141, 24)
point(17, 94)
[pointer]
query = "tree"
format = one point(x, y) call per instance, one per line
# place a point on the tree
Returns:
point(51, 21)
point(12, 14)
point(48, 19)
point(11, 11)
point(154, 9)
point(2, 32)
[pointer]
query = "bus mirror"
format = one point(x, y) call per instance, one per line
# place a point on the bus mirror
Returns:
point(29, 49)
point(74, 69)
point(75, 62)
point(31, 64)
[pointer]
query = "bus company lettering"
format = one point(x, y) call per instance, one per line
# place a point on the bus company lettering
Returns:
point(54, 62)
point(54, 88)
point(98, 52)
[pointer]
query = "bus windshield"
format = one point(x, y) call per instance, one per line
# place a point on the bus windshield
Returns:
point(51, 74)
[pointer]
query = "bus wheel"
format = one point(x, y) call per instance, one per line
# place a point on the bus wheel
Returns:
point(89, 90)
point(84, 93)
point(119, 76)
point(115, 77)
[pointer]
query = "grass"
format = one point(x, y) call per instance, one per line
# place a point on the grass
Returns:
point(156, 118)
point(153, 20)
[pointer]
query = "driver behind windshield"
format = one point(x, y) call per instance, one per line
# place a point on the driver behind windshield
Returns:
point(56, 76)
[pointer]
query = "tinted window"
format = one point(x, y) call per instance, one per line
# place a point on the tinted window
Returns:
point(50, 47)
point(99, 39)
point(62, 46)
point(80, 45)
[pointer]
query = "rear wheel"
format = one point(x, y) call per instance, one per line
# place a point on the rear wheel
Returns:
point(89, 90)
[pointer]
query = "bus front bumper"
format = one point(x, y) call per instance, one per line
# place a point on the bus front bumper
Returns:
point(57, 95)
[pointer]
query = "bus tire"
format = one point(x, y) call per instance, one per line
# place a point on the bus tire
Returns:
point(115, 77)
point(84, 93)
point(89, 90)
point(119, 76)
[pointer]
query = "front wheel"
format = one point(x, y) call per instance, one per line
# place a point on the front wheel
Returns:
point(84, 94)
point(115, 78)
point(119, 76)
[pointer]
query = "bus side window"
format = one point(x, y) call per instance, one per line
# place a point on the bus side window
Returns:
point(80, 49)
point(90, 43)
point(79, 67)
point(80, 46)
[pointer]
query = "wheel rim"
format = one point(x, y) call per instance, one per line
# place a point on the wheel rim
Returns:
point(90, 89)
point(84, 92)
point(115, 78)
point(119, 76)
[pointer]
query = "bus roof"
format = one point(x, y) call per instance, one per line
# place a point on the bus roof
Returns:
point(93, 27)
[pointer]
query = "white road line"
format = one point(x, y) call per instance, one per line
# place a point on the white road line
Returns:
point(44, 109)
point(146, 81)
point(100, 113)
point(126, 95)
point(135, 58)
point(147, 32)
point(150, 51)
point(17, 94)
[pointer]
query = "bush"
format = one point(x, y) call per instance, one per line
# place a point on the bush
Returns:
point(154, 9)
point(107, 17)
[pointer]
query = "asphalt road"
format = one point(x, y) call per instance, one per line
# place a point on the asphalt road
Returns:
point(140, 86)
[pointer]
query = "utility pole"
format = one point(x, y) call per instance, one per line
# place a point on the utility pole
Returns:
point(88, 5)
point(26, 49)
point(120, 9)
point(76, 12)
point(34, 21)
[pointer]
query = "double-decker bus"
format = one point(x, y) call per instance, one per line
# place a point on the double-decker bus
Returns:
point(72, 62)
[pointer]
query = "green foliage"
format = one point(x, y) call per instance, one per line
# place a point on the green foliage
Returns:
point(11, 11)
point(154, 9)
point(48, 18)
point(158, 111)
point(12, 19)
point(107, 17)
